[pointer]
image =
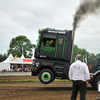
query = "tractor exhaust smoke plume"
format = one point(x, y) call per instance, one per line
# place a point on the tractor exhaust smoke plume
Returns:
point(86, 7)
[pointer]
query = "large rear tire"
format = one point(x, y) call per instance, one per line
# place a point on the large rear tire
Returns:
point(46, 76)
point(96, 81)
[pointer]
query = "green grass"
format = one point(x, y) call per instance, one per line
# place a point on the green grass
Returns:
point(28, 80)
point(61, 80)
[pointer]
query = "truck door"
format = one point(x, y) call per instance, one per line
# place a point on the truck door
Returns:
point(64, 47)
point(60, 47)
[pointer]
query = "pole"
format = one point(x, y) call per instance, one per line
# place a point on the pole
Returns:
point(73, 36)
point(22, 58)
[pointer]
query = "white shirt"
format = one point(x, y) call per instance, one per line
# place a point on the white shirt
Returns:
point(79, 71)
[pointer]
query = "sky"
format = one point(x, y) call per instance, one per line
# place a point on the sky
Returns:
point(25, 17)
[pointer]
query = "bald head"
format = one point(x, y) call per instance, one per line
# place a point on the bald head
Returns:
point(78, 57)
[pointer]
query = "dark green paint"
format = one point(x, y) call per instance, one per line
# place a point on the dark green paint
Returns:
point(56, 48)
point(63, 50)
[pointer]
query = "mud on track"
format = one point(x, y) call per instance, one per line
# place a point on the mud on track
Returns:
point(39, 91)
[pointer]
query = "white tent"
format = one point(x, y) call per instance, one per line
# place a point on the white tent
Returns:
point(14, 60)
point(17, 60)
point(6, 64)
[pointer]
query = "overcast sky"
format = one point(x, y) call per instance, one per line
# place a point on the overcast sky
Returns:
point(25, 17)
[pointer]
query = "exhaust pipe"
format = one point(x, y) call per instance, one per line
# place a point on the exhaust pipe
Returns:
point(73, 36)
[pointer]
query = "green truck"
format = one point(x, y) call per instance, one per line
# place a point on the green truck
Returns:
point(53, 61)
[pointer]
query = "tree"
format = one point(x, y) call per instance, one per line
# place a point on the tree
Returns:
point(92, 59)
point(83, 52)
point(75, 52)
point(89, 58)
point(3, 57)
point(21, 44)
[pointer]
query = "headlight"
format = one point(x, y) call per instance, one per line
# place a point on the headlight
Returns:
point(37, 64)
point(33, 62)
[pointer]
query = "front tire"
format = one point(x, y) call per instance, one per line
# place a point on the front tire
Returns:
point(46, 76)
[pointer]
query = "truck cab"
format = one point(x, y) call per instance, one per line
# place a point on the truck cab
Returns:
point(53, 54)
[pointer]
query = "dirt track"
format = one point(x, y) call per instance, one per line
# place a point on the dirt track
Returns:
point(39, 91)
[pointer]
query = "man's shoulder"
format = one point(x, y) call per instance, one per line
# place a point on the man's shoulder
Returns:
point(73, 63)
point(79, 62)
point(84, 63)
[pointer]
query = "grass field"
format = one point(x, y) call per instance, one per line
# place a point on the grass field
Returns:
point(18, 78)
point(28, 80)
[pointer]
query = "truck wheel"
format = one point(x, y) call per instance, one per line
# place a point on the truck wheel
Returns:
point(96, 81)
point(46, 76)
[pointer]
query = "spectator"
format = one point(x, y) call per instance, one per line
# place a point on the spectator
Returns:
point(79, 74)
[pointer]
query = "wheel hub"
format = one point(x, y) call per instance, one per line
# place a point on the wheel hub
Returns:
point(46, 76)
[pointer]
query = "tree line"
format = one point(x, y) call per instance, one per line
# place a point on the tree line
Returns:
point(22, 45)
point(89, 58)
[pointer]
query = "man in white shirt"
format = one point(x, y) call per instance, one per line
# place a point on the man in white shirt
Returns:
point(79, 74)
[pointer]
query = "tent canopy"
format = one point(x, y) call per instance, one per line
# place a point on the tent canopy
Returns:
point(14, 60)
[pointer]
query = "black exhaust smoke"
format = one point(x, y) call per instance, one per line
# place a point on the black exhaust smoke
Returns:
point(86, 7)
